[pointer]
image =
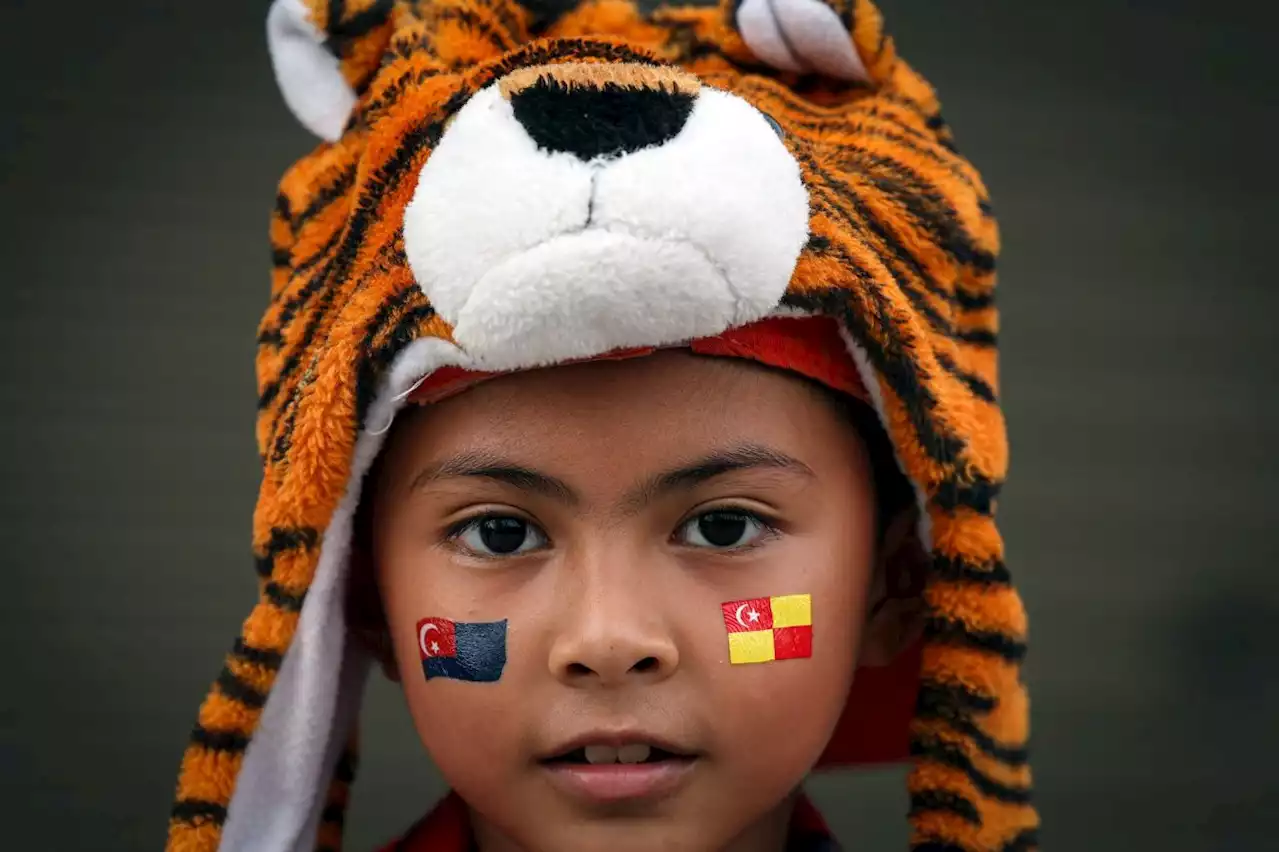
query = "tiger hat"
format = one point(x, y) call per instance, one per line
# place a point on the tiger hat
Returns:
point(500, 187)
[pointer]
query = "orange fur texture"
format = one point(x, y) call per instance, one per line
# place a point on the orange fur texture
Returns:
point(901, 252)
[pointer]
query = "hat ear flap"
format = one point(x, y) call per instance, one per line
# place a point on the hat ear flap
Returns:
point(841, 39)
point(323, 54)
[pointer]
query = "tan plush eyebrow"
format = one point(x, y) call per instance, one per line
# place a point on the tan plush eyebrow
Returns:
point(598, 74)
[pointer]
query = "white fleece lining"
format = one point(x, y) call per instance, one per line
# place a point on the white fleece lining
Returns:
point(280, 791)
point(309, 76)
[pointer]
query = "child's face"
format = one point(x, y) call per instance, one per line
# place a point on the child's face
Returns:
point(606, 511)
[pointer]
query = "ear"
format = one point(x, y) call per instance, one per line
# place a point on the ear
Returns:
point(895, 615)
point(842, 39)
point(323, 54)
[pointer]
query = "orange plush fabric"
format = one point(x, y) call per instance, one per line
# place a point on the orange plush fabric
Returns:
point(900, 255)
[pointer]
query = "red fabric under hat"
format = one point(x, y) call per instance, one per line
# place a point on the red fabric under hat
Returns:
point(810, 346)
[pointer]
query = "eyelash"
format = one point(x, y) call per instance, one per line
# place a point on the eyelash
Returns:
point(769, 530)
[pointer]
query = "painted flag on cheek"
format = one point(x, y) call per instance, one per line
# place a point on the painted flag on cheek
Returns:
point(462, 650)
point(765, 629)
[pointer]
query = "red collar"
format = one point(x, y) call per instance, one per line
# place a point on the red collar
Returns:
point(448, 829)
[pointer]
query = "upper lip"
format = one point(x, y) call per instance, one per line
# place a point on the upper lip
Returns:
point(616, 738)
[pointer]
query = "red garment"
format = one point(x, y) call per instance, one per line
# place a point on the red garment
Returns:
point(448, 829)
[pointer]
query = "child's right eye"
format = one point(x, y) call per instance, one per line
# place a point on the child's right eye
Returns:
point(498, 535)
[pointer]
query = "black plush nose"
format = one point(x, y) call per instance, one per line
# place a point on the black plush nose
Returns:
point(603, 120)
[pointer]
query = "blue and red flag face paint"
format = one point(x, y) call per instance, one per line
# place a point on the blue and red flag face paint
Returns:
point(474, 651)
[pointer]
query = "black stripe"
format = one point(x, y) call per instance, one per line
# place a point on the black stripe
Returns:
point(229, 741)
point(954, 633)
point(946, 801)
point(949, 755)
point(283, 209)
point(274, 335)
point(848, 206)
point(955, 706)
point(978, 336)
point(297, 300)
point(890, 362)
point(1025, 841)
point(234, 688)
point(500, 38)
point(299, 296)
point(943, 236)
point(198, 812)
point(374, 365)
point(319, 254)
point(424, 134)
point(957, 568)
point(817, 244)
point(283, 539)
point(282, 438)
point(392, 92)
point(976, 384)
point(979, 494)
point(920, 145)
point(931, 210)
point(326, 195)
point(343, 33)
point(949, 701)
point(258, 656)
point(333, 813)
point(287, 601)
point(280, 257)
point(974, 301)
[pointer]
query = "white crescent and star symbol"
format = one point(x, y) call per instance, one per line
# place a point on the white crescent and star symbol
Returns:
point(752, 616)
point(432, 649)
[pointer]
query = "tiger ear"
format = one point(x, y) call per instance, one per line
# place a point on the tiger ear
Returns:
point(842, 39)
point(323, 53)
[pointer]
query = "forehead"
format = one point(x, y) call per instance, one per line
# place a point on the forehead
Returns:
point(666, 403)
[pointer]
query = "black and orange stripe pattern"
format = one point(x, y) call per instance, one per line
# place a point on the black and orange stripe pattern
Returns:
point(902, 253)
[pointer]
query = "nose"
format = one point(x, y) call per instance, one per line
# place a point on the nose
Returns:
point(564, 109)
point(611, 633)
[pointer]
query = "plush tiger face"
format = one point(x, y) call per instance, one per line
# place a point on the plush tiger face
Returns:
point(555, 173)
point(504, 189)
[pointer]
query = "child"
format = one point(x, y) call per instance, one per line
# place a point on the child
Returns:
point(628, 394)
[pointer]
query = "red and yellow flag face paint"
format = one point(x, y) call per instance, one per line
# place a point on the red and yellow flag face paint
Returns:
point(765, 629)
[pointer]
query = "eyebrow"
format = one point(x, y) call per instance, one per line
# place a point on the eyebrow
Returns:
point(492, 466)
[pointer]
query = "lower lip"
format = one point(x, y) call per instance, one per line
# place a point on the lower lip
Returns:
point(619, 782)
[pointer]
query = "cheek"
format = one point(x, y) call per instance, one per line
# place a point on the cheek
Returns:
point(781, 714)
point(776, 718)
point(467, 728)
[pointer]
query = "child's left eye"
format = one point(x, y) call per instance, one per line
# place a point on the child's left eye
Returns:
point(723, 529)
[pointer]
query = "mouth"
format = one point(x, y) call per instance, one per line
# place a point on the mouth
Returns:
point(609, 770)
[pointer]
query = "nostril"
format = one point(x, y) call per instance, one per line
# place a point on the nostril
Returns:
point(578, 669)
point(648, 664)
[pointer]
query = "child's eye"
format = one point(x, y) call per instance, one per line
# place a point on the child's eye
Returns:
point(499, 535)
point(723, 529)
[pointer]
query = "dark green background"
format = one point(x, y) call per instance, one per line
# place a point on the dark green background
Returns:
point(1129, 151)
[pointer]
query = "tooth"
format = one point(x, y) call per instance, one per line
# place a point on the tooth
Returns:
point(634, 753)
point(601, 754)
